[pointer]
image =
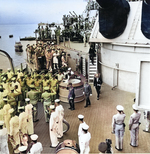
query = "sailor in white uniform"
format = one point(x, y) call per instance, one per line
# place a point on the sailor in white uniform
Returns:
point(80, 131)
point(60, 112)
point(53, 127)
point(118, 127)
point(37, 146)
point(3, 139)
point(85, 140)
point(134, 126)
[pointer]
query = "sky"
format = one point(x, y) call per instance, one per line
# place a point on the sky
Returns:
point(36, 11)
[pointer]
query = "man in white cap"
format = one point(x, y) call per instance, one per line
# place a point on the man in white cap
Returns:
point(60, 113)
point(134, 126)
point(118, 127)
point(80, 131)
point(23, 149)
point(53, 125)
point(28, 111)
point(3, 139)
point(37, 146)
point(85, 140)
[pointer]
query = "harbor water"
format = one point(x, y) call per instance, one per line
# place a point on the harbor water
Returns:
point(8, 44)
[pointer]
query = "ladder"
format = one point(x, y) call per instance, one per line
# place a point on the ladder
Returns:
point(135, 22)
point(92, 69)
point(84, 66)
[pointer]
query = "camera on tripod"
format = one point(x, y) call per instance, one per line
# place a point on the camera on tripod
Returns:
point(105, 147)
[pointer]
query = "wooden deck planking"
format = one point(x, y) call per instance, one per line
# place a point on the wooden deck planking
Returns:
point(99, 118)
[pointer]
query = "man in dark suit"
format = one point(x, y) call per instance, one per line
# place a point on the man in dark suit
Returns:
point(71, 96)
point(97, 84)
point(88, 92)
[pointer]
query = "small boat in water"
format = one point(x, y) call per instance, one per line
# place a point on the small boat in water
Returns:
point(10, 36)
point(30, 38)
point(18, 47)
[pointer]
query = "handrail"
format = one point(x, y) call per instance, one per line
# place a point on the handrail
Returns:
point(116, 68)
point(10, 60)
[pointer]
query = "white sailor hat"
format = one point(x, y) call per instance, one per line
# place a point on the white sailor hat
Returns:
point(5, 94)
point(8, 69)
point(22, 148)
point(27, 99)
point(57, 100)
point(69, 68)
point(80, 116)
point(102, 147)
point(34, 137)
point(5, 99)
point(1, 123)
point(119, 107)
point(85, 126)
point(52, 107)
point(134, 107)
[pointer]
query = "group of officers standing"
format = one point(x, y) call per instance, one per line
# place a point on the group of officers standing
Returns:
point(46, 55)
point(118, 126)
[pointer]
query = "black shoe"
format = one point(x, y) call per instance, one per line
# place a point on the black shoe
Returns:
point(52, 147)
point(146, 131)
point(85, 106)
point(73, 109)
point(69, 108)
point(36, 120)
point(97, 98)
point(118, 149)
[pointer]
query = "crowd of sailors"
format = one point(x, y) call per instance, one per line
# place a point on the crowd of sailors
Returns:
point(20, 93)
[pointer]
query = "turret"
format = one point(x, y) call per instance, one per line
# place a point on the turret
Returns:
point(113, 16)
point(145, 20)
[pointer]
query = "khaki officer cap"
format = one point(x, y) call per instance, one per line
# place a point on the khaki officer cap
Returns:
point(46, 88)
point(1, 123)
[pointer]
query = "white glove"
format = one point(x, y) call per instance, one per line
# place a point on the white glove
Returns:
point(90, 94)
point(83, 93)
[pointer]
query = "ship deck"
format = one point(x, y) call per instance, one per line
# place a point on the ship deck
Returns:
point(99, 117)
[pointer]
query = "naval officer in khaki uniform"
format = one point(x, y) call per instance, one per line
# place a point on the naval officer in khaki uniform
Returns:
point(34, 96)
point(47, 96)
point(118, 127)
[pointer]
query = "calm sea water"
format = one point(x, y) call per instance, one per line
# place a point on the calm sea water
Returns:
point(8, 44)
